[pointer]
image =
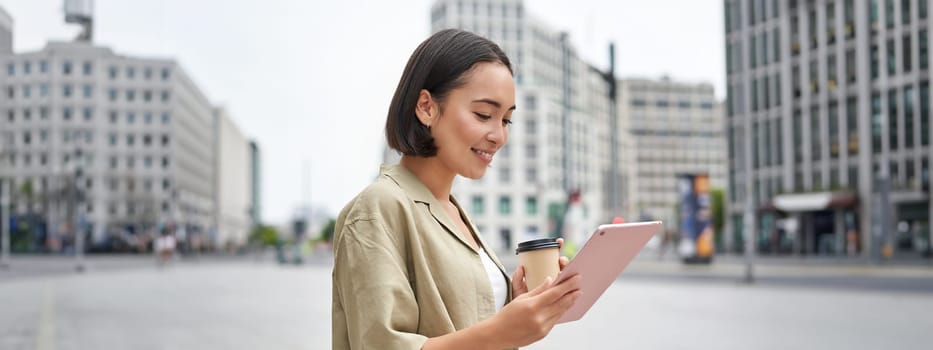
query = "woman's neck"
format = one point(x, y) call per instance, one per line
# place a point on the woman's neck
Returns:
point(432, 173)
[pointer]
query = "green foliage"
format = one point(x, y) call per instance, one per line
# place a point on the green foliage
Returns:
point(717, 209)
point(327, 233)
point(265, 235)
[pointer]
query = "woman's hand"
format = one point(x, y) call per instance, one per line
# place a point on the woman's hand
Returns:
point(518, 277)
point(532, 315)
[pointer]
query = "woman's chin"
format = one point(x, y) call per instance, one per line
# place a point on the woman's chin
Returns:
point(474, 174)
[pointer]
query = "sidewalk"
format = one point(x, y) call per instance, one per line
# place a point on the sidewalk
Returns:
point(821, 273)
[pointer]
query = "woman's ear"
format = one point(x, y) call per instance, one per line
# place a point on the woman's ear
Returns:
point(426, 108)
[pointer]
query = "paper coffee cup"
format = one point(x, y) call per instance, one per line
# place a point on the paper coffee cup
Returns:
point(541, 258)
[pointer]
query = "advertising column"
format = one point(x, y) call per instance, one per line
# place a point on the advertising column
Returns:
point(696, 229)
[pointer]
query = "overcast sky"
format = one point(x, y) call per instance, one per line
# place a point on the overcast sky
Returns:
point(311, 81)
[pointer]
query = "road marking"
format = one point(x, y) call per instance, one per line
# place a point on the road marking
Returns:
point(45, 336)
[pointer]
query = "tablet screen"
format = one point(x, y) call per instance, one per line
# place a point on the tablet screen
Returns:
point(604, 256)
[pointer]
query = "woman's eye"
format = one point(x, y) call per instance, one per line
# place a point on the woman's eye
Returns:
point(506, 122)
point(482, 116)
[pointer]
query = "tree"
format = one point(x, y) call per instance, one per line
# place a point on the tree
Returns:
point(717, 203)
point(327, 233)
point(265, 235)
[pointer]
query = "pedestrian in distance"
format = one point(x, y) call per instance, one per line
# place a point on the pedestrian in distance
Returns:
point(165, 247)
point(411, 271)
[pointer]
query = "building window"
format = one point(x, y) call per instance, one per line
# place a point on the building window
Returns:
point(505, 176)
point(87, 68)
point(874, 62)
point(113, 72)
point(27, 68)
point(164, 162)
point(892, 64)
point(530, 103)
point(876, 123)
point(165, 118)
point(147, 73)
point(165, 74)
point(905, 46)
point(905, 11)
point(850, 66)
point(130, 73)
point(66, 90)
point(147, 140)
point(925, 113)
point(892, 119)
point(531, 175)
point(113, 95)
point(88, 91)
point(43, 66)
point(164, 140)
point(165, 96)
point(88, 114)
point(531, 151)
point(908, 116)
point(130, 140)
point(66, 68)
point(113, 139)
point(113, 161)
point(505, 205)
point(922, 43)
point(130, 118)
point(531, 205)
point(130, 95)
point(43, 90)
point(798, 136)
point(852, 124)
point(889, 13)
point(147, 96)
point(833, 130)
point(66, 113)
point(477, 205)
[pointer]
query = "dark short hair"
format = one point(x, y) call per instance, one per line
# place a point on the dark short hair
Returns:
point(438, 65)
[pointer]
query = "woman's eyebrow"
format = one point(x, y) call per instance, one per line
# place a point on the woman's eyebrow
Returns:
point(491, 102)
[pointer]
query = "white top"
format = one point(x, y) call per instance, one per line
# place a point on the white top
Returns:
point(500, 287)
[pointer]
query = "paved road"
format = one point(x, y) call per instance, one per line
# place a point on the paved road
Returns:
point(259, 305)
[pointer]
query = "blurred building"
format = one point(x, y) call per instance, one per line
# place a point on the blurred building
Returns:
point(829, 126)
point(232, 221)
point(558, 144)
point(672, 128)
point(6, 33)
point(111, 143)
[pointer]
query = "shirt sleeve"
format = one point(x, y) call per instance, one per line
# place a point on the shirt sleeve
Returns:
point(372, 286)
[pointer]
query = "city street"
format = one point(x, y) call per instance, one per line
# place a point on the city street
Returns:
point(255, 304)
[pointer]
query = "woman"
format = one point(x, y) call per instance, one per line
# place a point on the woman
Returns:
point(410, 268)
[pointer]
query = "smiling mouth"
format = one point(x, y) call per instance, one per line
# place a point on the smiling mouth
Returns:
point(487, 156)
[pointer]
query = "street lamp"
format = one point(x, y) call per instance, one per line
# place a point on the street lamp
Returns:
point(76, 201)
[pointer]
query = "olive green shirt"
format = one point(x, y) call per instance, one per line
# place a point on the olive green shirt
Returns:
point(402, 273)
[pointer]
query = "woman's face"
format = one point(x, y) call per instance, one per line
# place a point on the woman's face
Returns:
point(474, 120)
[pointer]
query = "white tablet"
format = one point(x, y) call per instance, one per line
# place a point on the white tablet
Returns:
point(608, 251)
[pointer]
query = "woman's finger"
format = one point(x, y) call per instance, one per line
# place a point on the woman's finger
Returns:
point(518, 282)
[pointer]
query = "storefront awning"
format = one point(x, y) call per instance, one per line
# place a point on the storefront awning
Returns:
point(800, 202)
